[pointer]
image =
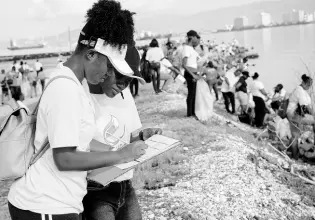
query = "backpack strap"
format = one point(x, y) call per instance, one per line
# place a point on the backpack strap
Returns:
point(46, 144)
point(50, 81)
point(13, 104)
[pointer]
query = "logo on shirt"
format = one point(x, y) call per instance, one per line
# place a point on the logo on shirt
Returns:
point(113, 133)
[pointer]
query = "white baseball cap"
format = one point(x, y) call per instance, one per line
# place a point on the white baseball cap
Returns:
point(115, 54)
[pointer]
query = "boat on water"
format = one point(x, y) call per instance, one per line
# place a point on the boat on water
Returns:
point(13, 46)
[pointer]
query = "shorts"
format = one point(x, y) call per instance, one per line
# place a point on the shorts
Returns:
point(242, 97)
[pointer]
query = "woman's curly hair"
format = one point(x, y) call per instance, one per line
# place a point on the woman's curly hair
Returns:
point(111, 23)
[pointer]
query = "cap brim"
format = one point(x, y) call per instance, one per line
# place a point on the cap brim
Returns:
point(117, 57)
point(122, 67)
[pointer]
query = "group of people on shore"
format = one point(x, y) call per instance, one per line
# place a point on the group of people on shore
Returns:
point(226, 70)
point(21, 81)
point(90, 120)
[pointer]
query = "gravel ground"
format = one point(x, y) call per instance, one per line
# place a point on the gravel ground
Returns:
point(225, 184)
point(225, 175)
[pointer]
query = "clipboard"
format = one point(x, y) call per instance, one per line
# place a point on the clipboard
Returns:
point(157, 145)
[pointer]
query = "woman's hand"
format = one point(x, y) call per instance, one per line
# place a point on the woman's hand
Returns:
point(133, 151)
point(197, 77)
point(149, 132)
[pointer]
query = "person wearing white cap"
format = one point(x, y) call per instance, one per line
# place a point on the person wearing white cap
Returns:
point(54, 187)
point(190, 58)
point(120, 119)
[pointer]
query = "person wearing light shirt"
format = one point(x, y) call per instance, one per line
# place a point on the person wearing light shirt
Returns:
point(300, 112)
point(260, 96)
point(277, 96)
point(154, 56)
point(228, 88)
point(118, 123)
point(38, 66)
point(190, 58)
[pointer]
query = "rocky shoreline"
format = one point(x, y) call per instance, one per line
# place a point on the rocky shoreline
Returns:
point(220, 172)
point(228, 173)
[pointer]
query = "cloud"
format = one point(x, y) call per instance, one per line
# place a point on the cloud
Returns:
point(40, 11)
point(37, 1)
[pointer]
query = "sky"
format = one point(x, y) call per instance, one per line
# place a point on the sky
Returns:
point(39, 18)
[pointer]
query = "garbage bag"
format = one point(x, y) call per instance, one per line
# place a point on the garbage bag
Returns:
point(283, 128)
point(251, 103)
point(204, 101)
point(26, 89)
point(39, 88)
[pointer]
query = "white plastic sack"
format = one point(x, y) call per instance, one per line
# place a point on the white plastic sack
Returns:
point(251, 103)
point(204, 101)
point(39, 89)
point(283, 128)
point(26, 89)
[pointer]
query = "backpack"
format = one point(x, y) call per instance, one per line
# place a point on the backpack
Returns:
point(17, 133)
point(145, 71)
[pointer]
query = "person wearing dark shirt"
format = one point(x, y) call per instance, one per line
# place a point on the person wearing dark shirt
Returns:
point(241, 91)
point(134, 56)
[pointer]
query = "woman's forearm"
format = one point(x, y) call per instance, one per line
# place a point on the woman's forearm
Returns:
point(134, 138)
point(176, 71)
point(68, 159)
point(263, 92)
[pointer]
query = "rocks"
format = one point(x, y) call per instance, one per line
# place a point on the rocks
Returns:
point(184, 185)
point(224, 184)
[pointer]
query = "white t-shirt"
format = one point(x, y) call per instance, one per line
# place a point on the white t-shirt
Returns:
point(192, 56)
point(66, 116)
point(17, 79)
point(38, 65)
point(280, 94)
point(116, 119)
point(255, 88)
point(232, 81)
point(298, 96)
point(165, 65)
point(154, 54)
point(2, 77)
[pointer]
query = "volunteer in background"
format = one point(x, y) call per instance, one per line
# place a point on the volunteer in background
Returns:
point(154, 56)
point(168, 73)
point(133, 54)
point(212, 78)
point(260, 96)
point(38, 67)
point(190, 58)
point(300, 111)
point(241, 91)
point(228, 88)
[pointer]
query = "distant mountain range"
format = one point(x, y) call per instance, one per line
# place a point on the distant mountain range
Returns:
point(207, 20)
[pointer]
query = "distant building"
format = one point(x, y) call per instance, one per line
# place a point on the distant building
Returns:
point(298, 16)
point(240, 22)
point(265, 19)
point(309, 18)
point(287, 18)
